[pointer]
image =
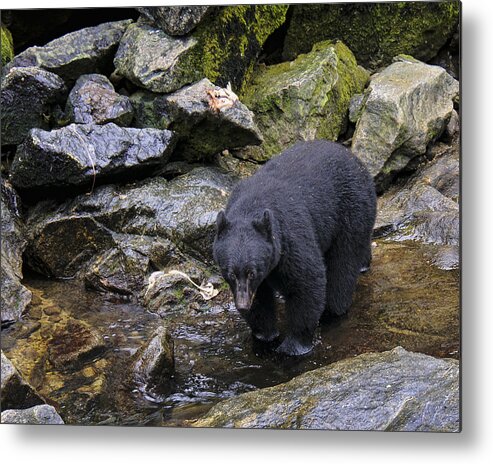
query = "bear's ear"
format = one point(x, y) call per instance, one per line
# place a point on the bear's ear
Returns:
point(264, 225)
point(220, 222)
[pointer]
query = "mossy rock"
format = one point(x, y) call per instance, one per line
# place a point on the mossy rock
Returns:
point(305, 99)
point(7, 45)
point(223, 48)
point(375, 32)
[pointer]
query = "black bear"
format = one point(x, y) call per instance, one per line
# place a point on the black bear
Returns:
point(302, 226)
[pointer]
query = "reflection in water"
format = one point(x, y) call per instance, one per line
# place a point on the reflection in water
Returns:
point(402, 300)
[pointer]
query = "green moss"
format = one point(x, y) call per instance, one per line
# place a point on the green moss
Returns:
point(6, 45)
point(375, 32)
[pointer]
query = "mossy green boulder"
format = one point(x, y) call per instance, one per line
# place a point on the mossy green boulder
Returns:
point(7, 45)
point(304, 99)
point(375, 32)
point(223, 48)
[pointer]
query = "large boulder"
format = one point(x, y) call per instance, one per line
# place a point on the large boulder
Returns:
point(375, 32)
point(393, 391)
point(93, 100)
point(223, 48)
point(64, 237)
point(16, 393)
point(88, 50)
point(405, 107)
point(175, 20)
point(29, 97)
point(206, 118)
point(81, 154)
point(37, 415)
point(304, 99)
point(14, 297)
point(426, 207)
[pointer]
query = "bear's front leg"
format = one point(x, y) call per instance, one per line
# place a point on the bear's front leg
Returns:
point(305, 303)
point(262, 315)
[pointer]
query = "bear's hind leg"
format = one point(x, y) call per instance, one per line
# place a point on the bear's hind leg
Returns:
point(262, 315)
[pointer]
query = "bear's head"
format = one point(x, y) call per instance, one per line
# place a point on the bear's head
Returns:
point(246, 251)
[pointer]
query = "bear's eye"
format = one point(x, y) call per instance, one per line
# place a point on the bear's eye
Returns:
point(250, 274)
point(232, 276)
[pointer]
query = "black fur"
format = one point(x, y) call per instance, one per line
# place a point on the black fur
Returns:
point(301, 225)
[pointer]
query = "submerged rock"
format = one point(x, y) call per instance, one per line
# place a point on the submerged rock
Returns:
point(29, 97)
point(393, 391)
point(156, 61)
point(175, 20)
point(64, 237)
point(14, 297)
point(81, 154)
point(206, 118)
point(15, 392)
point(426, 207)
point(154, 364)
point(88, 50)
point(375, 32)
point(305, 99)
point(406, 106)
point(37, 415)
point(93, 100)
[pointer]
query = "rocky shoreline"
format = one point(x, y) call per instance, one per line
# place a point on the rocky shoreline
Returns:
point(122, 140)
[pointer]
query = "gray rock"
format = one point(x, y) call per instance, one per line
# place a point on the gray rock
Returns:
point(15, 392)
point(85, 51)
point(28, 97)
point(153, 60)
point(426, 207)
point(154, 363)
point(93, 100)
point(392, 391)
point(175, 20)
point(79, 155)
point(14, 297)
point(407, 106)
point(304, 99)
point(37, 415)
point(62, 238)
point(203, 129)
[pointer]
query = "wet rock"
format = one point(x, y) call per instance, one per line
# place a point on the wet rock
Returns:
point(375, 32)
point(16, 393)
point(74, 344)
point(29, 97)
point(203, 126)
point(93, 100)
point(426, 207)
point(394, 391)
point(14, 296)
point(154, 363)
point(406, 106)
point(154, 60)
point(175, 20)
point(65, 236)
point(42, 415)
point(81, 154)
point(304, 99)
point(124, 268)
point(88, 50)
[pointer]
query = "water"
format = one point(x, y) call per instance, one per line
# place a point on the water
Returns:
point(402, 300)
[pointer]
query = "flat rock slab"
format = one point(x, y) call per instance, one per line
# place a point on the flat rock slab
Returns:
point(78, 155)
point(88, 50)
point(28, 98)
point(304, 99)
point(406, 106)
point(14, 297)
point(16, 393)
point(393, 391)
point(37, 415)
point(93, 100)
point(175, 20)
